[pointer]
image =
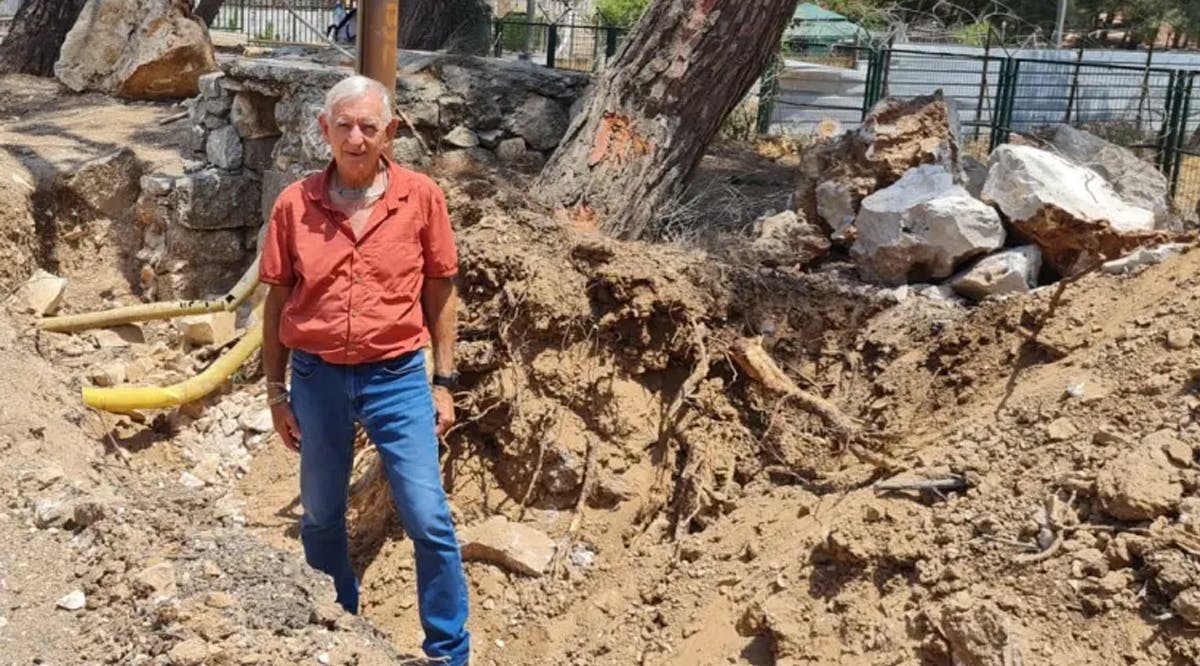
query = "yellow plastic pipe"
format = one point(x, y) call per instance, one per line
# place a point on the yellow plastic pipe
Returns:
point(127, 399)
point(151, 311)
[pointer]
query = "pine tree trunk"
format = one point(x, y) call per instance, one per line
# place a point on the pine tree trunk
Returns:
point(37, 34)
point(207, 10)
point(648, 120)
point(461, 26)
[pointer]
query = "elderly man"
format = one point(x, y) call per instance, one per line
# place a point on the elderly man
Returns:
point(360, 260)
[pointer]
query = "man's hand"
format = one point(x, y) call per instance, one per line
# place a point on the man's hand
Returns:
point(443, 403)
point(285, 424)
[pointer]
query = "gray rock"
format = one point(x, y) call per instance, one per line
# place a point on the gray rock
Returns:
point(511, 150)
point(1009, 272)
point(461, 137)
point(214, 199)
point(975, 174)
point(257, 153)
point(224, 148)
point(922, 227)
point(109, 184)
point(274, 181)
point(490, 138)
point(50, 513)
point(217, 246)
point(1069, 211)
point(1135, 180)
point(837, 204)
point(210, 85)
point(540, 121)
point(408, 150)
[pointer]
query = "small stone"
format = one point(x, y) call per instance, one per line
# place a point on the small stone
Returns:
point(1180, 338)
point(323, 658)
point(513, 546)
point(43, 292)
point(88, 512)
point(157, 582)
point(257, 421)
point(108, 374)
point(213, 328)
point(1104, 437)
point(1176, 451)
point(1138, 486)
point(189, 480)
point(489, 604)
point(461, 137)
point(1187, 605)
point(49, 513)
point(119, 337)
point(219, 600)
point(74, 601)
point(191, 652)
point(1060, 430)
point(511, 150)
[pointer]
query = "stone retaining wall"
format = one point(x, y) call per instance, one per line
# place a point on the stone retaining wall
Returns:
point(253, 131)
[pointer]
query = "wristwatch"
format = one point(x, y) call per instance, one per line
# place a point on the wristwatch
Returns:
point(449, 381)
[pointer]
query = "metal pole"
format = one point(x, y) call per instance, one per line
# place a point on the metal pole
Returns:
point(378, 33)
point(1060, 29)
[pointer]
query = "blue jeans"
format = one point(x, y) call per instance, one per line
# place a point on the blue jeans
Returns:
point(392, 401)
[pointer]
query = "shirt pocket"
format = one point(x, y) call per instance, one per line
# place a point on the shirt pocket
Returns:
point(395, 263)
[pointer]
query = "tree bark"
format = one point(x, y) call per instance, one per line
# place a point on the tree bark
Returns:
point(36, 35)
point(647, 121)
point(207, 10)
point(461, 26)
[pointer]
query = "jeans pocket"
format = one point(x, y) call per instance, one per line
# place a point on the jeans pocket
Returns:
point(304, 365)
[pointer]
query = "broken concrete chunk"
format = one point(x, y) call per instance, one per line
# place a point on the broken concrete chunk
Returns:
point(1011, 271)
point(257, 421)
point(43, 292)
point(922, 227)
point(513, 546)
point(213, 328)
point(1061, 429)
point(1067, 210)
point(1135, 180)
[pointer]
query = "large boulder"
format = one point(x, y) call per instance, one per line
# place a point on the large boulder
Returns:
point(1009, 272)
point(1068, 210)
point(897, 135)
point(1137, 181)
point(922, 227)
point(136, 49)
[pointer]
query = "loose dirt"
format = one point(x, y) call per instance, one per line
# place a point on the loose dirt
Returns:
point(703, 518)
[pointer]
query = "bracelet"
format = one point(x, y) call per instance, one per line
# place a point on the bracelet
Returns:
point(278, 399)
point(282, 385)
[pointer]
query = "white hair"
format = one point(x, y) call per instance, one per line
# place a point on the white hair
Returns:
point(355, 87)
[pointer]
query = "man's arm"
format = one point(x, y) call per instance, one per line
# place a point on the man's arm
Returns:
point(275, 360)
point(439, 300)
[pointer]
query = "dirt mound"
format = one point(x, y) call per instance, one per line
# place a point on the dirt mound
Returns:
point(18, 233)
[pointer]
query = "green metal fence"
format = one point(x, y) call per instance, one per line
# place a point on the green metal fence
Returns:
point(560, 45)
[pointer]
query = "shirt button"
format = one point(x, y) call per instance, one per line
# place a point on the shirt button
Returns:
point(357, 278)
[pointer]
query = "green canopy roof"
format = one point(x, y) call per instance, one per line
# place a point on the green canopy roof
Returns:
point(815, 24)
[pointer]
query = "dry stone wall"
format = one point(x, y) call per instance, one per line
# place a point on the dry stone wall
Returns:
point(253, 130)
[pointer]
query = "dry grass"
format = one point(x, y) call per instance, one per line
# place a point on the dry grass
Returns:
point(1187, 196)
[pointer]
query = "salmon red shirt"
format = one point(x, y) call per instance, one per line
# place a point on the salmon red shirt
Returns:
point(357, 300)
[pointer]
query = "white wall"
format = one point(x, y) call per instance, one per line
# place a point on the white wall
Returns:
point(9, 7)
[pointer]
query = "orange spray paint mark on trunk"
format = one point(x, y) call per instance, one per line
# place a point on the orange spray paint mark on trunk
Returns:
point(616, 140)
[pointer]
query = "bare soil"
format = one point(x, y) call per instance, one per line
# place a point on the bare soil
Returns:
point(702, 518)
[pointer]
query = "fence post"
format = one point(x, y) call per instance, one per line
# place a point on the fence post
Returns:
point(610, 42)
point(1071, 96)
point(1005, 92)
point(871, 95)
point(1181, 130)
point(768, 91)
point(551, 45)
point(1166, 135)
point(498, 39)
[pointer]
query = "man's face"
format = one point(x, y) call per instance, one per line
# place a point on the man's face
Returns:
point(357, 135)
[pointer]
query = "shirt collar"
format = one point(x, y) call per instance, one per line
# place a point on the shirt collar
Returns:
point(397, 188)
